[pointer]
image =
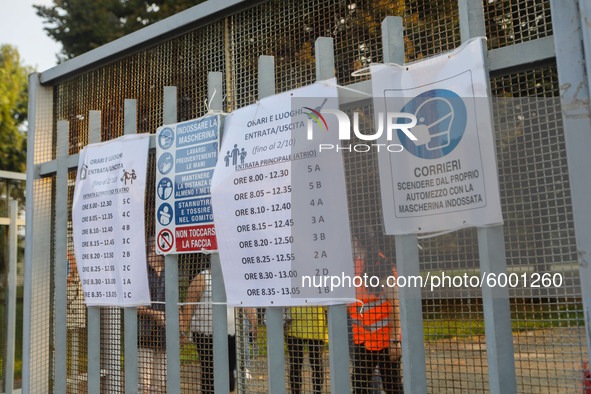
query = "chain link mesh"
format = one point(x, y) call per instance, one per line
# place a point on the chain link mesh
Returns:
point(549, 338)
point(516, 21)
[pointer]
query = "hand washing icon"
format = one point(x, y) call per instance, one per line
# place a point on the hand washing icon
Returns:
point(441, 122)
point(165, 163)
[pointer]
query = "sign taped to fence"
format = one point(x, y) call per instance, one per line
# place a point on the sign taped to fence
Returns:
point(280, 202)
point(446, 177)
point(108, 222)
point(186, 154)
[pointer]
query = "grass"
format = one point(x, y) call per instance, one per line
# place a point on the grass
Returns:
point(18, 345)
point(189, 354)
point(524, 317)
point(442, 329)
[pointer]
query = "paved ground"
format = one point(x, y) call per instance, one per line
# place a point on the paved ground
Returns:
point(547, 361)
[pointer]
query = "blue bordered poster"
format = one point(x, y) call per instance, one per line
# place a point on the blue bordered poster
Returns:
point(443, 176)
point(186, 154)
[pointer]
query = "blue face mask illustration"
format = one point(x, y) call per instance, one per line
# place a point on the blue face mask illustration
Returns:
point(434, 119)
point(441, 123)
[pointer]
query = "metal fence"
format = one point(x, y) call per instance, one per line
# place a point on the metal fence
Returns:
point(543, 174)
point(11, 279)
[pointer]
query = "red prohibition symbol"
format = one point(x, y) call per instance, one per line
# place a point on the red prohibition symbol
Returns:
point(165, 240)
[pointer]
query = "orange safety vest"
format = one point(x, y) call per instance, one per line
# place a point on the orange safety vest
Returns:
point(372, 325)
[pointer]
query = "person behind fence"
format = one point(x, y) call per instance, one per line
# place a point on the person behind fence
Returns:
point(152, 328)
point(196, 315)
point(305, 327)
point(75, 313)
point(374, 319)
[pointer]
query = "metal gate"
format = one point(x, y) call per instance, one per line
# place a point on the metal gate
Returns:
point(526, 340)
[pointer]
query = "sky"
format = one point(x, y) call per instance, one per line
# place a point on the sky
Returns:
point(22, 28)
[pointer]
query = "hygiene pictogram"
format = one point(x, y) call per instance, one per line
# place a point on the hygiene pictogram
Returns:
point(441, 123)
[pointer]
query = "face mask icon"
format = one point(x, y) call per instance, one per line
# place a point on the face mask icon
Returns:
point(441, 123)
point(434, 120)
point(166, 138)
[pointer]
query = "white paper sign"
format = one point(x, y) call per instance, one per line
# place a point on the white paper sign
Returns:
point(280, 203)
point(108, 222)
point(186, 154)
point(447, 178)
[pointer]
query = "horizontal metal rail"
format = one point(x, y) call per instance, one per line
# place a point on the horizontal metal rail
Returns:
point(173, 26)
point(18, 176)
point(210, 11)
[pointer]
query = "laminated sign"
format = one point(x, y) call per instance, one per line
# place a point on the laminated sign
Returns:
point(108, 222)
point(444, 174)
point(186, 154)
point(280, 202)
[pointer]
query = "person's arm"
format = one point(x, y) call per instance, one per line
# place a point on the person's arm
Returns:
point(158, 316)
point(251, 315)
point(194, 292)
point(73, 269)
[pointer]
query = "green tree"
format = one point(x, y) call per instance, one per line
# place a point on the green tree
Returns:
point(81, 25)
point(13, 110)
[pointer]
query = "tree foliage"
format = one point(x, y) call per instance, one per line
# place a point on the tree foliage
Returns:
point(13, 109)
point(81, 25)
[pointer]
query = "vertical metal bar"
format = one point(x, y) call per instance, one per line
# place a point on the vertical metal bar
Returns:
point(275, 350)
point(393, 40)
point(94, 312)
point(11, 306)
point(411, 316)
point(266, 76)
point(171, 280)
point(497, 313)
point(471, 19)
point(130, 334)
point(491, 250)
point(324, 52)
point(173, 357)
point(338, 349)
point(130, 313)
point(407, 255)
point(61, 254)
point(574, 96)
point(169, 105)
point(585, 11)
point(275, 342)
point(220, 328)
point(37, 242)
point(130, 116)
point(34, 87)
point(219, 314)
point(215, 91)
